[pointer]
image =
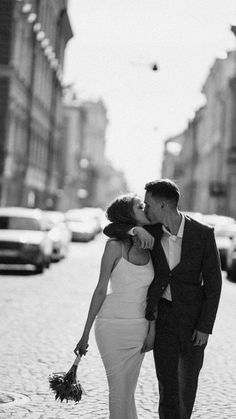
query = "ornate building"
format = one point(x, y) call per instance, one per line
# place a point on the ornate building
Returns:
point(89, 179)
point(33, 37)
point(206, 166)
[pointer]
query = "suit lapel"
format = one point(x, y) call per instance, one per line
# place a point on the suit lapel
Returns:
point(187, 238)
point(157, 252)
point(185, 250)
point(161, 254)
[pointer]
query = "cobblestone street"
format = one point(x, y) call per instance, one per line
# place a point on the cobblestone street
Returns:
point(41, 318)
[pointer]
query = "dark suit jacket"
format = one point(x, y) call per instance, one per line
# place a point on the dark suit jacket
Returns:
point(195, 282)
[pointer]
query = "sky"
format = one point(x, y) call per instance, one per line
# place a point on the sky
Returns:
point(110, 56)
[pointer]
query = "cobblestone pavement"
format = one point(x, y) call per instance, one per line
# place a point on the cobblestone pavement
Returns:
point(41, 318)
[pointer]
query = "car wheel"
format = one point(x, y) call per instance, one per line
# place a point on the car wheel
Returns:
point(232, 272)
point(222, 260)
point(39, 268)
point(47, 263)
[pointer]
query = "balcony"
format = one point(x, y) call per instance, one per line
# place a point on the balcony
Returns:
point(231, 155)
point(217, 188)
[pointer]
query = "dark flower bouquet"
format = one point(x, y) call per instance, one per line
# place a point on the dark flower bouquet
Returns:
point(65, 385)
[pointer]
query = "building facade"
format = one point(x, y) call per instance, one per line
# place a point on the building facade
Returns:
point(33, 37)
point(89, 179)
point(206, 165)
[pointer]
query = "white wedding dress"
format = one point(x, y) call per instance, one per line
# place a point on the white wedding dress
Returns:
point(120, 330)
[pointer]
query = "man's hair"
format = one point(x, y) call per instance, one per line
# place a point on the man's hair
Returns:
point(164, 188)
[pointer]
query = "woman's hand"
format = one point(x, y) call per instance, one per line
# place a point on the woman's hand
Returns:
point(81, 347)
point(148, 343)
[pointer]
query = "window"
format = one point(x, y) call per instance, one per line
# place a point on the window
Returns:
point(18, 223)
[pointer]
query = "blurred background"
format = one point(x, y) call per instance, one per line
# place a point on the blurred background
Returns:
point(98, 97)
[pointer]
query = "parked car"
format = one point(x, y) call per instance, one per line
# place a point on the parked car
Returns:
point(195, 215)
point(104, 220)
point(24, 237)
point(59, 233)
point(225, 231)
point(217, 220)
point(83, 226)
point(95, 213)
point(231, 260)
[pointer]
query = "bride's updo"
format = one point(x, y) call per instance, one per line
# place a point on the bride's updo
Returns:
point(121, 210)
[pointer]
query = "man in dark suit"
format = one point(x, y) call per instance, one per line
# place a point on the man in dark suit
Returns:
point(183, 296)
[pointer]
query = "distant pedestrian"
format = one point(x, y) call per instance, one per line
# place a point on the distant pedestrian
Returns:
point(122, 333)
point(185, 293)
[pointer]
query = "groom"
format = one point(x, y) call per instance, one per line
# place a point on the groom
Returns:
point(185, 292)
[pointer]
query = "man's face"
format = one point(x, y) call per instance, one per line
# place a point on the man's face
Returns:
point(153, 208)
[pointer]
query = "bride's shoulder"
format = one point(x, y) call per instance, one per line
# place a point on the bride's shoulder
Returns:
point(113, 239)
point(113, 250)
point(113, 245)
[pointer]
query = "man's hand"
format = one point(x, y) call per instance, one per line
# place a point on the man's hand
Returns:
point(146, 240)
point(148, 344)
point(199, 338)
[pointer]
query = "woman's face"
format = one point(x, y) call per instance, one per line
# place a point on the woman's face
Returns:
point(138, 210)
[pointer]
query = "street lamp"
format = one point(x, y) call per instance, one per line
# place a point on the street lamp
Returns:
point(37, 27)
point(40, 36)
point(26, 8)
point(233, 29)
point(32, 17)
point(154, 66)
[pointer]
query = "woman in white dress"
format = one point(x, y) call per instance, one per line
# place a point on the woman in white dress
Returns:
point(123, 335)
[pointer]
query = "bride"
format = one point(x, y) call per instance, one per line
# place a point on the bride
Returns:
point(122, 333)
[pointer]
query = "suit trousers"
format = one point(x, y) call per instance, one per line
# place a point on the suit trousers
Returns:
point(178, 363)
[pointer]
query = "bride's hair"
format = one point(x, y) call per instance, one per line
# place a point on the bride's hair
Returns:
point(121, 210)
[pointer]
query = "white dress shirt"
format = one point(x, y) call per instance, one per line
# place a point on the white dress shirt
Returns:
point(172, 246)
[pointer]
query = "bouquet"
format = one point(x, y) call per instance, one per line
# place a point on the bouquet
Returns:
point(65, 385)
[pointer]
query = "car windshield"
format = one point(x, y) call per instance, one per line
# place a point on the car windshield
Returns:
point(225, 230)
point(55, 217)
point(18, 223)
point(218, 220)
point(77, 217)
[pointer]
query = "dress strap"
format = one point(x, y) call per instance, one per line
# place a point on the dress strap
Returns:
point(124, 253)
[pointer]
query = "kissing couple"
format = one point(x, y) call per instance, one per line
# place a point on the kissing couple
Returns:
point(164, 277)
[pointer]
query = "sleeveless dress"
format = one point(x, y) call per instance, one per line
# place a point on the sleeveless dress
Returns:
point(120, 329)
